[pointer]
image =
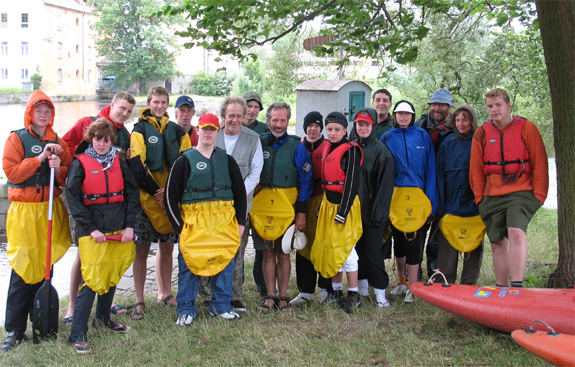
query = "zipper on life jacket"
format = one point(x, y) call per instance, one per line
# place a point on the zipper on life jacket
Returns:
point(405, 144)
point(502, 153)
point(272, 170)
point(107, 186)
point(213, 176)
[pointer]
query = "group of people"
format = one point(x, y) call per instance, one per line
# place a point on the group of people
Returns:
point(353, 190)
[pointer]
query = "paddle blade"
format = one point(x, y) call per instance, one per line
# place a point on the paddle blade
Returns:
point(45, 313)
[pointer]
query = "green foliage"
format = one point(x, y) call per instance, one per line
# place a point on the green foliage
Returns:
point(36, 79)
point(138, 45)
point(216, 84)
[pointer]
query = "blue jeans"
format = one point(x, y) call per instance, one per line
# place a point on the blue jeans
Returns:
point(188, 284)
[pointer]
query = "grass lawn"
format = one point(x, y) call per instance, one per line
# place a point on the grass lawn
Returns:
point(403, 335)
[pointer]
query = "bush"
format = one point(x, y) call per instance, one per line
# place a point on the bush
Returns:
point(206, 84)
point(36, 79)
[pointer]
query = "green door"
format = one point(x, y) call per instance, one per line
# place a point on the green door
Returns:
point(356, 101)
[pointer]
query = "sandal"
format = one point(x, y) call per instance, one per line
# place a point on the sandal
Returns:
point(118, 309)
point(286, 300)
point(137, 315)
point(166, 301)
point(265, 307)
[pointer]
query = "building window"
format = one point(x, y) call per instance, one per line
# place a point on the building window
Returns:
point(4, 20)
point(24, 47)
point(77, 73)
point(89, 53)
point(59, 22)
point(89, 75)
point(4, 48)
point(59, 75)
point(77, 21)
point(24, 20)
point(59, 51)
point(4, 73)
point(77, 49)
point(24, 74)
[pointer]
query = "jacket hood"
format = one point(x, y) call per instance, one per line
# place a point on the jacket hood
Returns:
point(470, 110)
point(36, 97)
point(363, 141)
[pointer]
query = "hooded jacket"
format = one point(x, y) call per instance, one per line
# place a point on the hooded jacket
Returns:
point(18, 169)
point(414, 159)
point(377, 175)
point(75, 135)
point(454, 191)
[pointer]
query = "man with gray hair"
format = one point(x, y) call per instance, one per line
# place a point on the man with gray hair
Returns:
point(286, 185)
point(244, 145)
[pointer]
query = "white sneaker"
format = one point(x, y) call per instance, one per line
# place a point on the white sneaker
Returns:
point(399, 290)
point(381, 299)
point(185, 320)
point(409, 297)
point(322, 295)
point(230, 315)
point(301, 298)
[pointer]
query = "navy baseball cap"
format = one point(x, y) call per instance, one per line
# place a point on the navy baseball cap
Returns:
point(184, 100)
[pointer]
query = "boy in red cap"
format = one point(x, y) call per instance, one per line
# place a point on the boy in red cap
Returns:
point(206, 203)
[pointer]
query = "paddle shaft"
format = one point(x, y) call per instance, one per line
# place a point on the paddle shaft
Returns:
point(50, 216)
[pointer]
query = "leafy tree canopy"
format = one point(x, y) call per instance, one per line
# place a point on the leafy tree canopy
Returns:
point(135, 43)
point(364, 28)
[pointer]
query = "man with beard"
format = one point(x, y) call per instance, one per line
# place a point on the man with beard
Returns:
point(285, 188)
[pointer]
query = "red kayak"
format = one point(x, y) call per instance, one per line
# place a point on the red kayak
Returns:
point(555, 348)
point(503, 308)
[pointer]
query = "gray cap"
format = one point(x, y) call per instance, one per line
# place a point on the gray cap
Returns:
point(441, 95)
point(254, 96)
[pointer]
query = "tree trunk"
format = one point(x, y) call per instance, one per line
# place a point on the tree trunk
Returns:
point(556, 23)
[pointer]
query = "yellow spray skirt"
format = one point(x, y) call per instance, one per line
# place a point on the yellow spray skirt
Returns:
point(410, 208)
point(310, 224)
point(155, 213)
point(463, 233)
point(272, 211)
point(104, 263)
point(210, 236)
point(27, 230)
point(333, 241)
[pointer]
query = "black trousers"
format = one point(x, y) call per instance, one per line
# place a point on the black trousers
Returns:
point(306, 276)
point(19, 303)
point(372, 253)
point(84, 302)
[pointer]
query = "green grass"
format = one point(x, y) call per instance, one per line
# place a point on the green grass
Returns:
point(13, 90)
point(404, 335)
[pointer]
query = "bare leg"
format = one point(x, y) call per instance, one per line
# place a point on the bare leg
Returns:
point(283, 272)
point(517, 253)
point(412, 272)
point(164, 263)
point(338, 278)
point(500, 251)
point(400, 264)
point(269, 269)
point(352, 277)
point(140, 269)
point(75, 279)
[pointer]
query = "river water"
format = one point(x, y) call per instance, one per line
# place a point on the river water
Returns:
point(67, 113)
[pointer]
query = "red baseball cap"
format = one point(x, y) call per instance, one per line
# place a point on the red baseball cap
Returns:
point(363, 116)
point(209, 119)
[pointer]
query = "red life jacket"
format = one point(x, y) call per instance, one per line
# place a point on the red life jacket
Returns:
point(333, 176)
point(316, 161)
point(504, 152)
point(101, 187)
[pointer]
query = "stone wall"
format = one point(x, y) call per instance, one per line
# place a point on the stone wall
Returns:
point(5, 204)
